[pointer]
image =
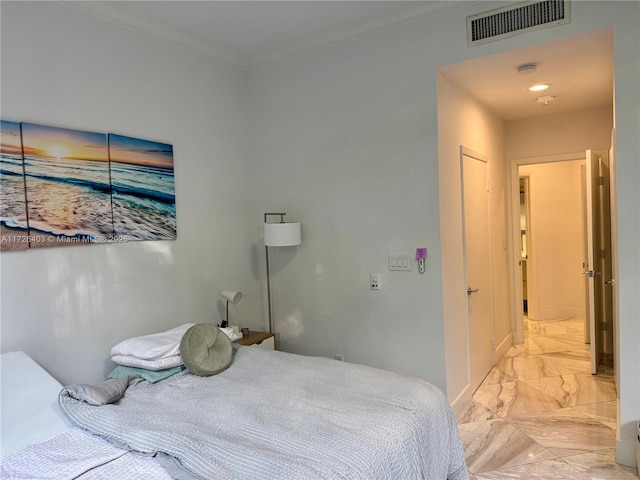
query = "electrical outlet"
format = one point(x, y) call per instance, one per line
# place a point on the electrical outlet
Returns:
point(375, 281)
point(340, 357)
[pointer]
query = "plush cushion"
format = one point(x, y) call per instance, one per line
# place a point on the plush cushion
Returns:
point(205, 350)
point(107, 392)
point(152, 376)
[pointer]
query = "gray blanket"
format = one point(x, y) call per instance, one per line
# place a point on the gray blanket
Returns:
point(78, 455)
point(273, 415)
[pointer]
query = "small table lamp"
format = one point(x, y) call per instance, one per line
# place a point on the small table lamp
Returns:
point(233, 297)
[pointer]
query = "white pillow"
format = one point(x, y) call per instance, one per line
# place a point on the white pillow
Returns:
point(228, 331)
point(152, 347)
point(159, 364)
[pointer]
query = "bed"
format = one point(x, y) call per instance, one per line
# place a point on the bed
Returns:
point(270, 415)
point(29, 407)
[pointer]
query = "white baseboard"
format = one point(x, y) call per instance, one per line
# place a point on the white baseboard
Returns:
point(626, 453)
point(503, 347)
point(462, 401)
point(464, 397)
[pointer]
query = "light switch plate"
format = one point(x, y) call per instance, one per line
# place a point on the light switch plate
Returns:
point(400, 263)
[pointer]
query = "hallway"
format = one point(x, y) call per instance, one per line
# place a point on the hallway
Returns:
point(541, 414)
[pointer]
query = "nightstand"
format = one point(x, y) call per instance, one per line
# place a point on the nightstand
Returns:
point(263, 340)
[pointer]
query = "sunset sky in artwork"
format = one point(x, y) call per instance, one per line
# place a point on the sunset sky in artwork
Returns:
point(53, 142)
point(140, 152)
point(10, 138)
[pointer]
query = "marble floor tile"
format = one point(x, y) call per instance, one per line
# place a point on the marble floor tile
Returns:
point(496, 375)
point(527, 391)
point(601, 466)
point(572, 327)
point(540, 344)
point(494, 444)
point(572, 361)
point(547, 470)
point(565, 432)
point(476, 412)
point(604, 412)
point(576, 388)
point(531, 366)
point(514, 398)
point(572, 343)
point(522, 349)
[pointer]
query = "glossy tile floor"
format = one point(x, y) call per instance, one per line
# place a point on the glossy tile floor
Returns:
point(540, 414)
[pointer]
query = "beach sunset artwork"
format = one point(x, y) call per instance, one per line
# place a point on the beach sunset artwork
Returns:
point(142, 189)
point(61, 187)
point(14, 230)
point(68, 188)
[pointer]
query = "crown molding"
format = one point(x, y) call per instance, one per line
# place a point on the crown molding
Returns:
point(390, 19)
point(110, 12)
point(107, 11)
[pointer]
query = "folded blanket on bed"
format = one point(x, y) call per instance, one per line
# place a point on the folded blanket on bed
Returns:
point(159, 364)
point(273, 415)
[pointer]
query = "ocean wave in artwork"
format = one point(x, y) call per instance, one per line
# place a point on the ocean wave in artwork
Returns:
point(143, 201)
point(68, 197)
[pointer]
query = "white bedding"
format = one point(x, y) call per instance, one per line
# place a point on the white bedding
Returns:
point(29, 406)
point(274, 415)
point(271, 415)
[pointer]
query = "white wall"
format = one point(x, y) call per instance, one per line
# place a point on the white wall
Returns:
point(462, 120)
point(561, 133)
point(345, 139)
point(67, 306)
point(556, 235)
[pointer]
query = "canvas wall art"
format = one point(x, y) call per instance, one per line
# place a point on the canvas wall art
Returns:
point(68, 187)
point(143, 189)
point(14, 229)
point(61, 187)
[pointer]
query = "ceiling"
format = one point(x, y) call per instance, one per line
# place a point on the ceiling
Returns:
point(579, 69)
point(247, 34)
point(252, 29)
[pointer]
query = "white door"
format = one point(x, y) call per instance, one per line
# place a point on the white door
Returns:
point(596, 254)
point(477, 257)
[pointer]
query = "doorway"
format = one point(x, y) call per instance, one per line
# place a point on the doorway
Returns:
point(565, 246)
point(466, 92)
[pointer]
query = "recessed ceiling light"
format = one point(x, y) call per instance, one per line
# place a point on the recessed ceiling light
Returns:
point(546, 99)
point(539, 87)
point(527, 68)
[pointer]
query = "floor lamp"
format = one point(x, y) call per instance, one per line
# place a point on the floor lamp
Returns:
point(279, 234)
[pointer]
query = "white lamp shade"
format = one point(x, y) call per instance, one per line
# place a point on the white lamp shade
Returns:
point(234, 297)
point(282, 234)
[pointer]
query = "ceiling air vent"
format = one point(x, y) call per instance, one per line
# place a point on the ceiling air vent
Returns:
point(516, 19)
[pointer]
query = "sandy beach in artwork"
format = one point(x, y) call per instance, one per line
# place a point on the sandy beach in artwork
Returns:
point(12, 239)
point(15, 239)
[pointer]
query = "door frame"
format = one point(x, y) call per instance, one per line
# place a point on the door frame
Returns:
point(513, 208)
